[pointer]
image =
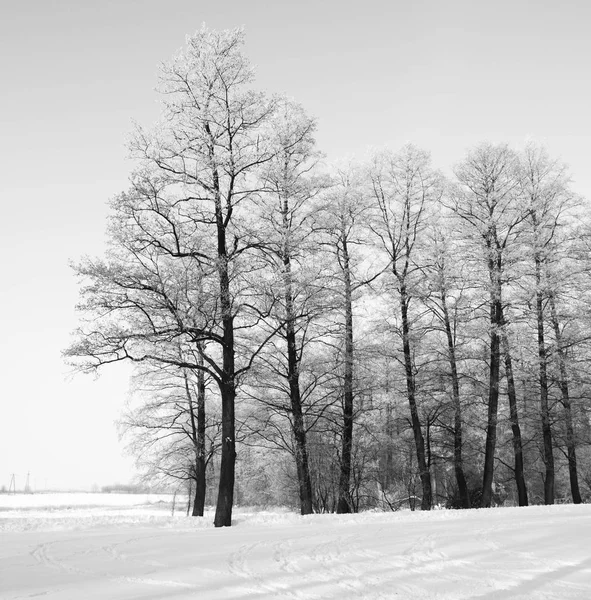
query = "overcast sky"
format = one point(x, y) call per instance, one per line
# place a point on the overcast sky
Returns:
point(444, 74)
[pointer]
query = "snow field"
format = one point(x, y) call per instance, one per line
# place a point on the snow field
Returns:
point(536, 552)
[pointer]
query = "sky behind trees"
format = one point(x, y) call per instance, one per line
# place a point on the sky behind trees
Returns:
point(443, 75)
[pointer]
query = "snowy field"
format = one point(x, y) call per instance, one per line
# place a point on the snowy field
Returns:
point(110, 547)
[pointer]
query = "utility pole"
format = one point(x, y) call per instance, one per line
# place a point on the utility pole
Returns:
point(12, 485)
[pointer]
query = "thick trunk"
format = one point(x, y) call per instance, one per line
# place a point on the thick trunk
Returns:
point(344, 502)
point(414, 413)
point(514, 418)
point(565, 398)
point(223, 513)
point(455, 385)
point(227, 384)
point(494, 268)
point(543, 378)
point(199, 497)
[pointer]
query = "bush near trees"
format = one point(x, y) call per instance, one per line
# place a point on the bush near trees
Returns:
point(338, 338)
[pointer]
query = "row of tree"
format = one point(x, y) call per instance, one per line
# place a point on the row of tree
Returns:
point(367, 321)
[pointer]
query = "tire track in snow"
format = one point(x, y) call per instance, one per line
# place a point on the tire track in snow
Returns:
point(113, 551)
point(422, 554)
point(484, 535)
point(529, 565)
point(283, 555)
point(425, 556)
point(329, 556)
point(238, 565)
point(42, 557)
point(339, 559)
point(144, 579)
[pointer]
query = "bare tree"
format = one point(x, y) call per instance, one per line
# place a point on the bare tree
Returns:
point(343, 218)
point(486, 201)
point(347, 214)
point(290, 250)
point(168, 430)
point(403, 186)
point(184, 219)
point(545, 185)
point(563, 381)
point(444, 298)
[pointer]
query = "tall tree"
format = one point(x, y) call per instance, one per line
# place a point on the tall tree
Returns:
point(563, 381)
point(403, 187)
point(291, 253)
point(545, 186)
point(342, 218)
point(444, 299)
point(184, 221)
point(486, 200)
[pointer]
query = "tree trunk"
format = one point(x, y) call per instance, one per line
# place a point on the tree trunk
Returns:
point(387, 463)
point(298, 425)
point(227, 383)
point(458, 461)
point(200, 461)
point(344, 502)
point(414, 413)
point(197, 419)
point(494, 268)
point(293, 373)
point(543, 377)
point(199, 496)
point(514, 418)
point(189, 494)
point(565, 398)
point(223, 513)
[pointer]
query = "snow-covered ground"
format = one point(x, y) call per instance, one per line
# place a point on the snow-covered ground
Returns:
point(119, 551)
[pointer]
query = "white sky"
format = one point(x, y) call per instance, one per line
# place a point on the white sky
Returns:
point(74, 73)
